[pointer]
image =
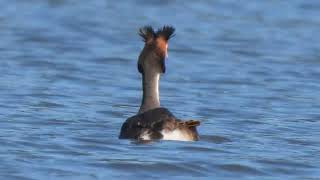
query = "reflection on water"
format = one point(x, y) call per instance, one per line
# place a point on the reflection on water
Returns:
point(249, 71)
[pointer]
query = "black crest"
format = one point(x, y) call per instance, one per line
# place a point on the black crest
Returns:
point(166, 32)
point(147, 33)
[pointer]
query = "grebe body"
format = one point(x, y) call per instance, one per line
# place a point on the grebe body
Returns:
point(153, 122)
point(159, 123)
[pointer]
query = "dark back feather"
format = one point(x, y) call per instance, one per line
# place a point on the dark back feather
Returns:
point(152, 121)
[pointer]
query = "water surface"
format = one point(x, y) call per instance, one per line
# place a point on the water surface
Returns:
point(249, 71)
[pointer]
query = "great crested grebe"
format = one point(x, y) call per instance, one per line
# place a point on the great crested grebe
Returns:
point(153, 122)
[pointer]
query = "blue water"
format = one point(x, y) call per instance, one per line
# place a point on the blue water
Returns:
point(249, 71)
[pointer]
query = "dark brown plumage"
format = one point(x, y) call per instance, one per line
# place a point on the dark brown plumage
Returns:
point(153, 122)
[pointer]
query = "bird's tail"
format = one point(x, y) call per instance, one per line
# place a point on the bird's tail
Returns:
point(191, 123)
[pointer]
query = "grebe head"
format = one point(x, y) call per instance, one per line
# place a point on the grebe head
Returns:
point(154, 53)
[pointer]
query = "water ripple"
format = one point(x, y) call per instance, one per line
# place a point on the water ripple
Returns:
point(240, 169)
point(248, 71)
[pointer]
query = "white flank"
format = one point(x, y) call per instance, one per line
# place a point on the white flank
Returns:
point(145, 136)
point(175, 135)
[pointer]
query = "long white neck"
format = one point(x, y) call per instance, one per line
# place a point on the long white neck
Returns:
point(150, 85)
